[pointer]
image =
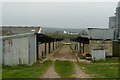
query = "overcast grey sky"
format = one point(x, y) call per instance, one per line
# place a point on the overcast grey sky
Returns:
point(60, 15)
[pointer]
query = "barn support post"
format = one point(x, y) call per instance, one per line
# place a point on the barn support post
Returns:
point(49, 47)
point(79, 47)
point(37, 49)
point(53, 44)
point(83, 47)
point(45, 48)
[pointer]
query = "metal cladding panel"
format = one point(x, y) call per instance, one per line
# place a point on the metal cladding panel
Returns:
point(15, 51)
point(23, 50)
point(7, 52)
point(98, 54)
point(101, 34)
point(32, 49)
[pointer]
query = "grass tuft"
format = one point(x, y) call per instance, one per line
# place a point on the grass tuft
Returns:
point(64, 68)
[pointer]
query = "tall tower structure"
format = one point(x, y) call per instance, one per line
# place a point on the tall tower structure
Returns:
point(118, 19)
point(112, 22)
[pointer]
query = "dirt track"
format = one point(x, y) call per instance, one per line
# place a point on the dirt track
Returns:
point(65, 53)
point(50, 73)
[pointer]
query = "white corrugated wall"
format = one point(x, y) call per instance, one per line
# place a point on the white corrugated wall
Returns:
point(32, 49)
point(15, 51)
point(19, 50)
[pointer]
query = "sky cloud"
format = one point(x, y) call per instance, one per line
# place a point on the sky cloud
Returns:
point(58, 14)
point(60, 0)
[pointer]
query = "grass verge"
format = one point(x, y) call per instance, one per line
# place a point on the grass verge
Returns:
point(64, 68)
point(105, 61)
point(24, 71)
point(100, 70)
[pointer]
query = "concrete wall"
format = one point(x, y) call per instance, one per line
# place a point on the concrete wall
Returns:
point(47, 48)
point(41, 47)
point(86, 47)
point(19, 50)
point(95, 44)
point(75, 46)
point(51, 45)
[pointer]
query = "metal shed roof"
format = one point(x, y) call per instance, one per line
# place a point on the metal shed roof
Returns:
point(20, 29)
point(99, 33)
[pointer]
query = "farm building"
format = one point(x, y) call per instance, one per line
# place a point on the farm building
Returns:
point(94, 38)
point(26, 48)
point(47, 45)
point(20, 47)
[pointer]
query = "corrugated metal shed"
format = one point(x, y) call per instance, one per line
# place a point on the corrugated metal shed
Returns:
point(98, 33)
point(19, 49)
point(23, 48)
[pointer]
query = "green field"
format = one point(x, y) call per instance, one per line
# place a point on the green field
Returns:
point(64, 68)
point(24, 71)
point(100, 70)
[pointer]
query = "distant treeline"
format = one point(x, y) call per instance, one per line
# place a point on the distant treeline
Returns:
point(52, 30)
point(64, 36)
